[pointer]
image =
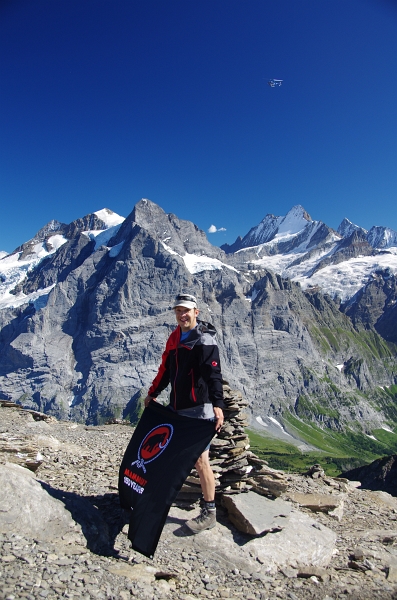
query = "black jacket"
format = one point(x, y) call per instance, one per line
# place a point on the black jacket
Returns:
point(192, 367)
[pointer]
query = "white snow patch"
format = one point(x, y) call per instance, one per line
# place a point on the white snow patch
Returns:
point(371, 437)
point(345, 279)
point(109, 217)
point(292, 223)
point(196, 264)
point(102, 236)
point(169, 249)
point(71, 401)
point(340, 367)
point(254, 294)
point(115, 250)
point(387, 429)
point(56, 242)
point(273, 420)
point(13, 270)
point(38, 298)
point(278, 263)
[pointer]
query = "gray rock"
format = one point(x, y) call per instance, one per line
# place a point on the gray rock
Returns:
point(255, 515)
point(318, 502)
point(27, 509)
point(37, 510)
point(298, 544)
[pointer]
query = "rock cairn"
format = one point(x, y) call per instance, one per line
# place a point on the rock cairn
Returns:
point(236, 468)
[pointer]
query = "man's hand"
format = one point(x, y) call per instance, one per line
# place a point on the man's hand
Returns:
point(219, 418)
point(147, 400)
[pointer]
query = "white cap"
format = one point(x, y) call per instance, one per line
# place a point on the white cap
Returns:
point(185, 300)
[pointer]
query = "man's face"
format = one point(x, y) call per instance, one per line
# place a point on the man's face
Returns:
point(186, 317)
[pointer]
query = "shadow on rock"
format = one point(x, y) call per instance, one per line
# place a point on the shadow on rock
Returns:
point(182, 530)
point(100, 517)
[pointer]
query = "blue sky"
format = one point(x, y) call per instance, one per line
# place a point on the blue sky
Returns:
point(103, 102)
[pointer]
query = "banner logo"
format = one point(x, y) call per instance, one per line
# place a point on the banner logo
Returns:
point(153, 444)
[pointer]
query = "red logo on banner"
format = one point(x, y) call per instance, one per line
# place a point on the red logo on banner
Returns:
point(153, 444)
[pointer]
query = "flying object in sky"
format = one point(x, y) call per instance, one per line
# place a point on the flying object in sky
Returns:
point(274, 82)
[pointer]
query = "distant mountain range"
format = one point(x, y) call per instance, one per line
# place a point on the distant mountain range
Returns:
point(337, 262)
point(306, 315)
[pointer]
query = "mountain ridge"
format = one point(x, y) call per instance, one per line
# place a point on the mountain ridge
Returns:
point(84, 320)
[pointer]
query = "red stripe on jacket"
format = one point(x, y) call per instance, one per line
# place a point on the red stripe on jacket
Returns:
point(172, 344)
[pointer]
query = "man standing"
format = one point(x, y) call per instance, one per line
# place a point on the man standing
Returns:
point(191, 364)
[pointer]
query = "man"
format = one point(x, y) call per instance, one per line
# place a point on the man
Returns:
point(191, 364)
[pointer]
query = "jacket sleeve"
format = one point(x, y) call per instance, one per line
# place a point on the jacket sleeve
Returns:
point(210, 369)
point(162, 378)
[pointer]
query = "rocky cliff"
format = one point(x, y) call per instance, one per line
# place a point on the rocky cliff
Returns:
point(83, 331)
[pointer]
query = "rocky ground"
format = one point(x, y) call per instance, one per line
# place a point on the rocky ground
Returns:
point(78, 466)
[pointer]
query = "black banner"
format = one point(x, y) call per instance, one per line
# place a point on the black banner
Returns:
point(161, 453)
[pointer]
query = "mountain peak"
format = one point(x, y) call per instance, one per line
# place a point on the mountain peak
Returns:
point(146, 213)
point(109, 217)
point(382, 237)
point(298, 211)
point(294, 221)
point(272, 227)
point(346, 228)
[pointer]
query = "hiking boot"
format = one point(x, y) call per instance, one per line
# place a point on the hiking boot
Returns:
point(205, 520)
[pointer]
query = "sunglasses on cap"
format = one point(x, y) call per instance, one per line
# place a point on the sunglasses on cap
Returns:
point(185, 298)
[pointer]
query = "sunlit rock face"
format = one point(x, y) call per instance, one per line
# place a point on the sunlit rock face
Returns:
point(84, 318)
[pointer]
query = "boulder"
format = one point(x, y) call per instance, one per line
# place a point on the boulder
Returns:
point(302, 542)
point(36, 510)
point(268, 486)
point(317, 502)
point(27, 509)
point(254, 514)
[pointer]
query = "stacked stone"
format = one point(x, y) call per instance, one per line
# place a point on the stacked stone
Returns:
point(236, 469)
point(229, 452)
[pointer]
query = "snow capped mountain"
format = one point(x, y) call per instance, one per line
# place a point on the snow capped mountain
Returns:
point(294, 221)
point(346, 228)
point(110, 218)
point(85, 313)
point(382, 237)
point(273, 228)
point(112, 222)
point(309, 252)
point(262, 233)
point(294, 246)
point(15, 267)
